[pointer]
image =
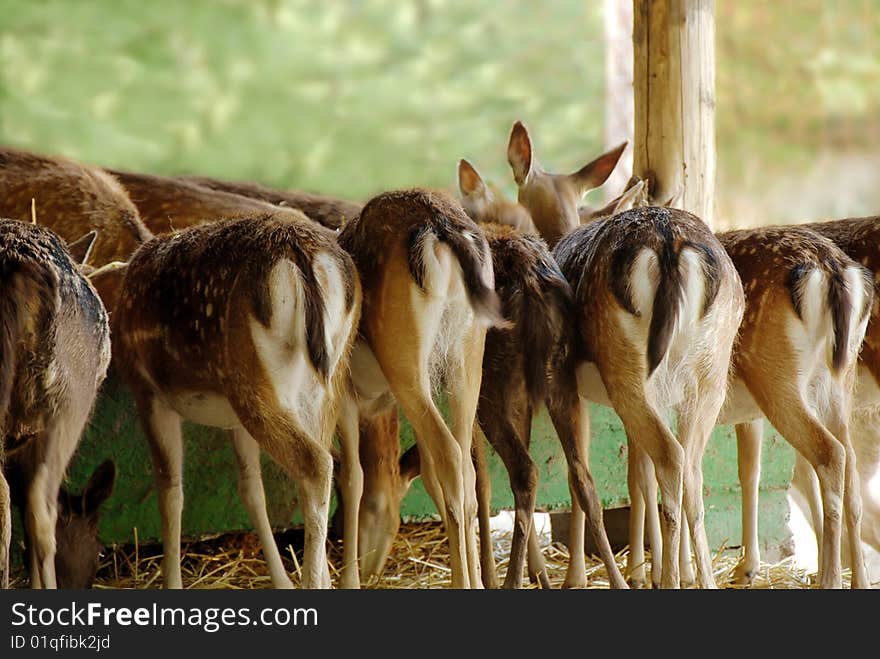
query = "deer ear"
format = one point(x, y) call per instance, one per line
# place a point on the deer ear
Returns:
point(100, 487)
point(469, 179)
point(595, 173)
point(410, 466)
point(81, 248)
point(519, 153)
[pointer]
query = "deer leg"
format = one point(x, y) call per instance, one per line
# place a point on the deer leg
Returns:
point(351, 475)
point(484, 510)
point(464, 375)
point(570, 417)
point(60, 440)
point(523, 474)
point(797, 423)
point(536, 564)
point(649, 430)
point(643, 509)
point(837, 422)
point(250, 490)
point(162, 427)
point(748, 445)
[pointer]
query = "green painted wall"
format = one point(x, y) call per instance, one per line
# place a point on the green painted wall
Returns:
point(212, 505)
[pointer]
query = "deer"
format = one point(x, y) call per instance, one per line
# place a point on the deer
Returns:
point(858, 237)
point(806, 305)
point(518, 365)
point(72, 199)
point(258, 345)
point(429, 297)
point(167, 204)
point(658, 305)
point(332, 212)
point(54, 355)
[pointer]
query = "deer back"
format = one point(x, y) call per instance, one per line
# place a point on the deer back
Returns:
point(71, 199)
point(168, 204)
point(331, 212)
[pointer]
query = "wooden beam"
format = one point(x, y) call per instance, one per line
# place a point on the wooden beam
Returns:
point(674, 98)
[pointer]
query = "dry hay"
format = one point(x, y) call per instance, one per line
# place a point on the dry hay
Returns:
point(418, 560)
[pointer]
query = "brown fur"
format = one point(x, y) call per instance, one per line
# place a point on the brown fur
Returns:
point(599, 261)
point(72, 199)
point(186, 322)
point(422, 260)
point(170, 204)
point(55, 352)
point(332, 212)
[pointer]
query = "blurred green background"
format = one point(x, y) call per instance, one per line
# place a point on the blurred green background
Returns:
point(351, 98)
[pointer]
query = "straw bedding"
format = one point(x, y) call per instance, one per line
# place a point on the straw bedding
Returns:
point(418, 560)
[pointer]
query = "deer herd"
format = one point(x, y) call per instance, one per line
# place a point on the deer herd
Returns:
point(305, 324)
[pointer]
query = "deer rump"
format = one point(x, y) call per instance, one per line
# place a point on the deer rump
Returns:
point(662, 271)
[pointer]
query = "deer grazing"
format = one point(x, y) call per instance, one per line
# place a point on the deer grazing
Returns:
point(72, 199)
point(805, 314)
point(54, 354)
point(518, 369)
point(429, 297)
point(332, 212)
point(657, 307)
point(243, 324)
point(858, 238)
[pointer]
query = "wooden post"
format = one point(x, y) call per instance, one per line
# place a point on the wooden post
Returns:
point(674, 87)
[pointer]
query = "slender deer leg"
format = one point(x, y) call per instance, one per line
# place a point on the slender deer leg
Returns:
point(536, 564)
point(827, 455)
point(464, 376)
point(250, 490)
point(644, 425)
point(695, 428)
point(351, 475)
point(484, 510)
point(643, 509)
point(570, 416)
point(162, 427)
point(748, 444)
point(837, 421)
point(523, 474)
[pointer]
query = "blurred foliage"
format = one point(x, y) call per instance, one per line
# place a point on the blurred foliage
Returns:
point(351, 98)
point(343, 97)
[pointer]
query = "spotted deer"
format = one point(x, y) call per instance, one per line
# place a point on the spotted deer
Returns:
point(658, 305)
point(71, 199)
point(805, 313)
point(518, 367)
point(859, 239)
point(175, 203)
point(54, 354)
point(332, 212)
point(429, 297)
point(243, 324)
point(167, 204)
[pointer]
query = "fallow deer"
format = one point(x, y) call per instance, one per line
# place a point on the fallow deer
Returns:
point(859, 239)
point(658, 305)
point(517, 369)
point(428, 299)
point(71, 199)
point(169, 204)
point(805, 314)
point(78, 545)
point(54, 354)
point(243, 324)
point(332, 212)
